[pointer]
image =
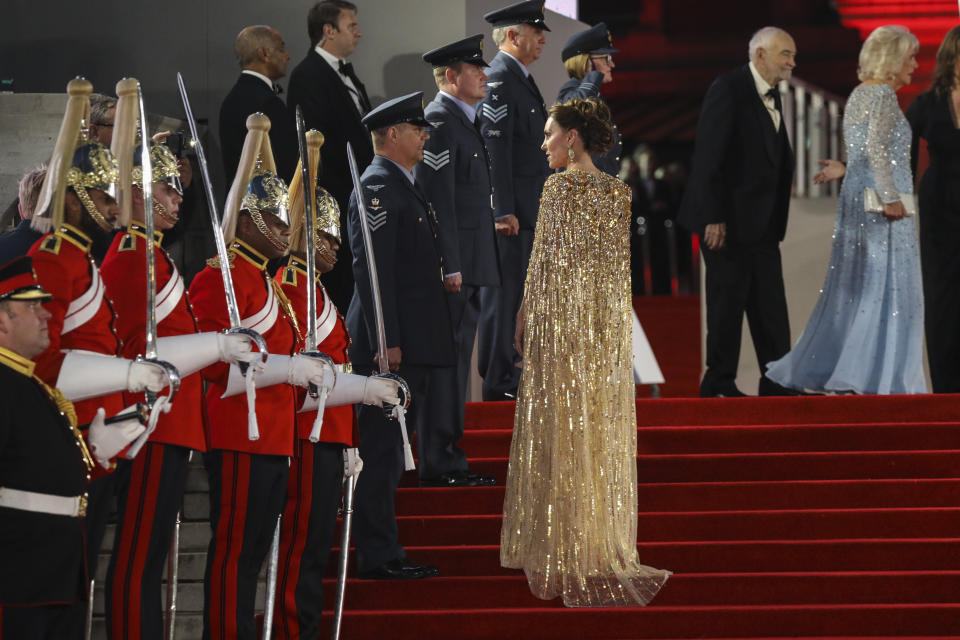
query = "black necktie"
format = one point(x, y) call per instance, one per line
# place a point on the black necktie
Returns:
point(775, 94)
point(346, 68)
point(536, 89)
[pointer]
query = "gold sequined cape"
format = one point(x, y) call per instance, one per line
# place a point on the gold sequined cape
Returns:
point(570, 512)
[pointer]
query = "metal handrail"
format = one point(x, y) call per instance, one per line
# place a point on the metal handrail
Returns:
point(814, 120)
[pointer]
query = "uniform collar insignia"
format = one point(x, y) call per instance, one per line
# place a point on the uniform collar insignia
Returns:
point(301, 266)
point(17, 362)
point(75, 237)
point(137, 229)
point(249, 254)
point(375, 187)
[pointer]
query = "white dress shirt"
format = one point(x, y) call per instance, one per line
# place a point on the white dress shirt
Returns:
point(768, 101)
point(256, 74)
point(334, 62)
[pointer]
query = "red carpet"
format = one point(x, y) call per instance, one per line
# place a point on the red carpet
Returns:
point(672, 326)
point(792, 517)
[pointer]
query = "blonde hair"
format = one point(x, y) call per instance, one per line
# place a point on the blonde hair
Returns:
point(440, 73)
point(29, 190)
point(884, 52)
point(577, 65)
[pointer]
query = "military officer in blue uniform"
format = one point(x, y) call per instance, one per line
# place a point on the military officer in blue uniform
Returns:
point(419, 334)
point(455, 174)
point(588, 58)
point(512, 119)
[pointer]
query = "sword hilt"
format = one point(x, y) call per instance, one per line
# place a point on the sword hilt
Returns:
point(173, 375)
point(256, 339)
point(404, 392)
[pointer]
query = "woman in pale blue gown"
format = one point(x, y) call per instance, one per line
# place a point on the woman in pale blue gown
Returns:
point(865, 334)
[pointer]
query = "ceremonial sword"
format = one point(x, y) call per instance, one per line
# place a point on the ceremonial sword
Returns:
point(232, 311)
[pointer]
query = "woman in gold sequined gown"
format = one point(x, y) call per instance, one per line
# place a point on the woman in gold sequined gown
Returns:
point(570, 512)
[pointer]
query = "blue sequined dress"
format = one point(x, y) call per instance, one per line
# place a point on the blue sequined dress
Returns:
point(865, 334)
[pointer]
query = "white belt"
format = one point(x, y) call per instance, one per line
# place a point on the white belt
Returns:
point(72, 506)
point(263, 320)
point(86, 306)
point(169, 296)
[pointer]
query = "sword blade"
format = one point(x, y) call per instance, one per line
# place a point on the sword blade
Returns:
point(309, 229)
point(228, 289)
point(371, 263)
point(150, 350)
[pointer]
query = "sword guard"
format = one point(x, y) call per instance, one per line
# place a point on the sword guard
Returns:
point(319, 355)
point(173, 376)
point(404, 391)
point(255, 338)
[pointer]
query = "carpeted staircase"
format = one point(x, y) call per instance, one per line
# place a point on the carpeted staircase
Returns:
point(817, 517)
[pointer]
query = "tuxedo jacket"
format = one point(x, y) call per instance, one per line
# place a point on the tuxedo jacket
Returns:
point(409, 266)
point(742, 166)
point(512, 117)
point(327, 106)
point(252, 95)
point(455, 176)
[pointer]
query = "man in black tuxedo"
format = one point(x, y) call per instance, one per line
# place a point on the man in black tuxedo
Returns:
point(333, 101)
point(263, 58)
point(737, 201)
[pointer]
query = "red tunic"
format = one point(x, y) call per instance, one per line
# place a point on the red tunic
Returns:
point(65, 268)
point(124, 271)
point(337, 421)
point(275, 404)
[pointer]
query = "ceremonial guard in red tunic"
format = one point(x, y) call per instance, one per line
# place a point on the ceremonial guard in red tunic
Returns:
point(321, 459)
point(77, 205)
point(155, 479)
point(248, 461)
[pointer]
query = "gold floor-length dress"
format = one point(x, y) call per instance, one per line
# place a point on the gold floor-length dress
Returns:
point(570, 512)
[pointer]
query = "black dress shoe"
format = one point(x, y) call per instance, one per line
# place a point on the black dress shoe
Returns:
point(458, 479)
point(728, 390)
point(499, 396)
point(400, 569)
point(768, 387)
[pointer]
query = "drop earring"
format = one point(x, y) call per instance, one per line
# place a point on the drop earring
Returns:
point(571, 154)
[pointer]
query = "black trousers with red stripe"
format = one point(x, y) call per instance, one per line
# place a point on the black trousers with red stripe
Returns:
point(153, 485)
point(309, 527)
point(247, 493)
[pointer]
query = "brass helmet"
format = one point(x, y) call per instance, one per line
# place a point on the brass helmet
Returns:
point(326, 211)
point(164, 164)
point(256, 187)
point(77, 163)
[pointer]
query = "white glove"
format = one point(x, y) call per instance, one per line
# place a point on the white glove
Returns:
point(235, 348)
point(352, 463)
point(379, 391)
point(107, 440)
point(305, 370)
point(143, 376)
point(89, 375)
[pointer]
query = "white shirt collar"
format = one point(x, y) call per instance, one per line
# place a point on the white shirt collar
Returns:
point(523, 67)
point(762, 86)
point(469, 111)
point(257, 74)
point(331, 59)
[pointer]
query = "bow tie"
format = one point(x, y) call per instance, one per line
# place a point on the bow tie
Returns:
point(277, 89)
point(346, 68)
point(774, 93)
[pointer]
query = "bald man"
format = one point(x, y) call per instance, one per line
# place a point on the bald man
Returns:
point(262, 56)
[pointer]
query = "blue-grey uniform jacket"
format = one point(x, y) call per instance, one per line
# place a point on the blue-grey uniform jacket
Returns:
point(455, 176)
point(407, 251)
point(512, 118)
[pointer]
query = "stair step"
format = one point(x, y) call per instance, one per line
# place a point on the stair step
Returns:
point(847, 465)
point(716, 496)
point(487, 443)
point(717, 525)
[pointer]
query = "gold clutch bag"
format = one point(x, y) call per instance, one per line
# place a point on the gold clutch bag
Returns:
point(872, 203)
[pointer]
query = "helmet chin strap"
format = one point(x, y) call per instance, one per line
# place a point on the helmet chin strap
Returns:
point(91, 208)
point(163, 213)
point(278, 244)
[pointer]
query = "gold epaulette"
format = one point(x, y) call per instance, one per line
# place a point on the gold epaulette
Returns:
point(51, 244)
point(129, 243)
point(214, 262)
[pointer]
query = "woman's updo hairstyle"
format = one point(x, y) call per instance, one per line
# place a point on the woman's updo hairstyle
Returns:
point(590, 117)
